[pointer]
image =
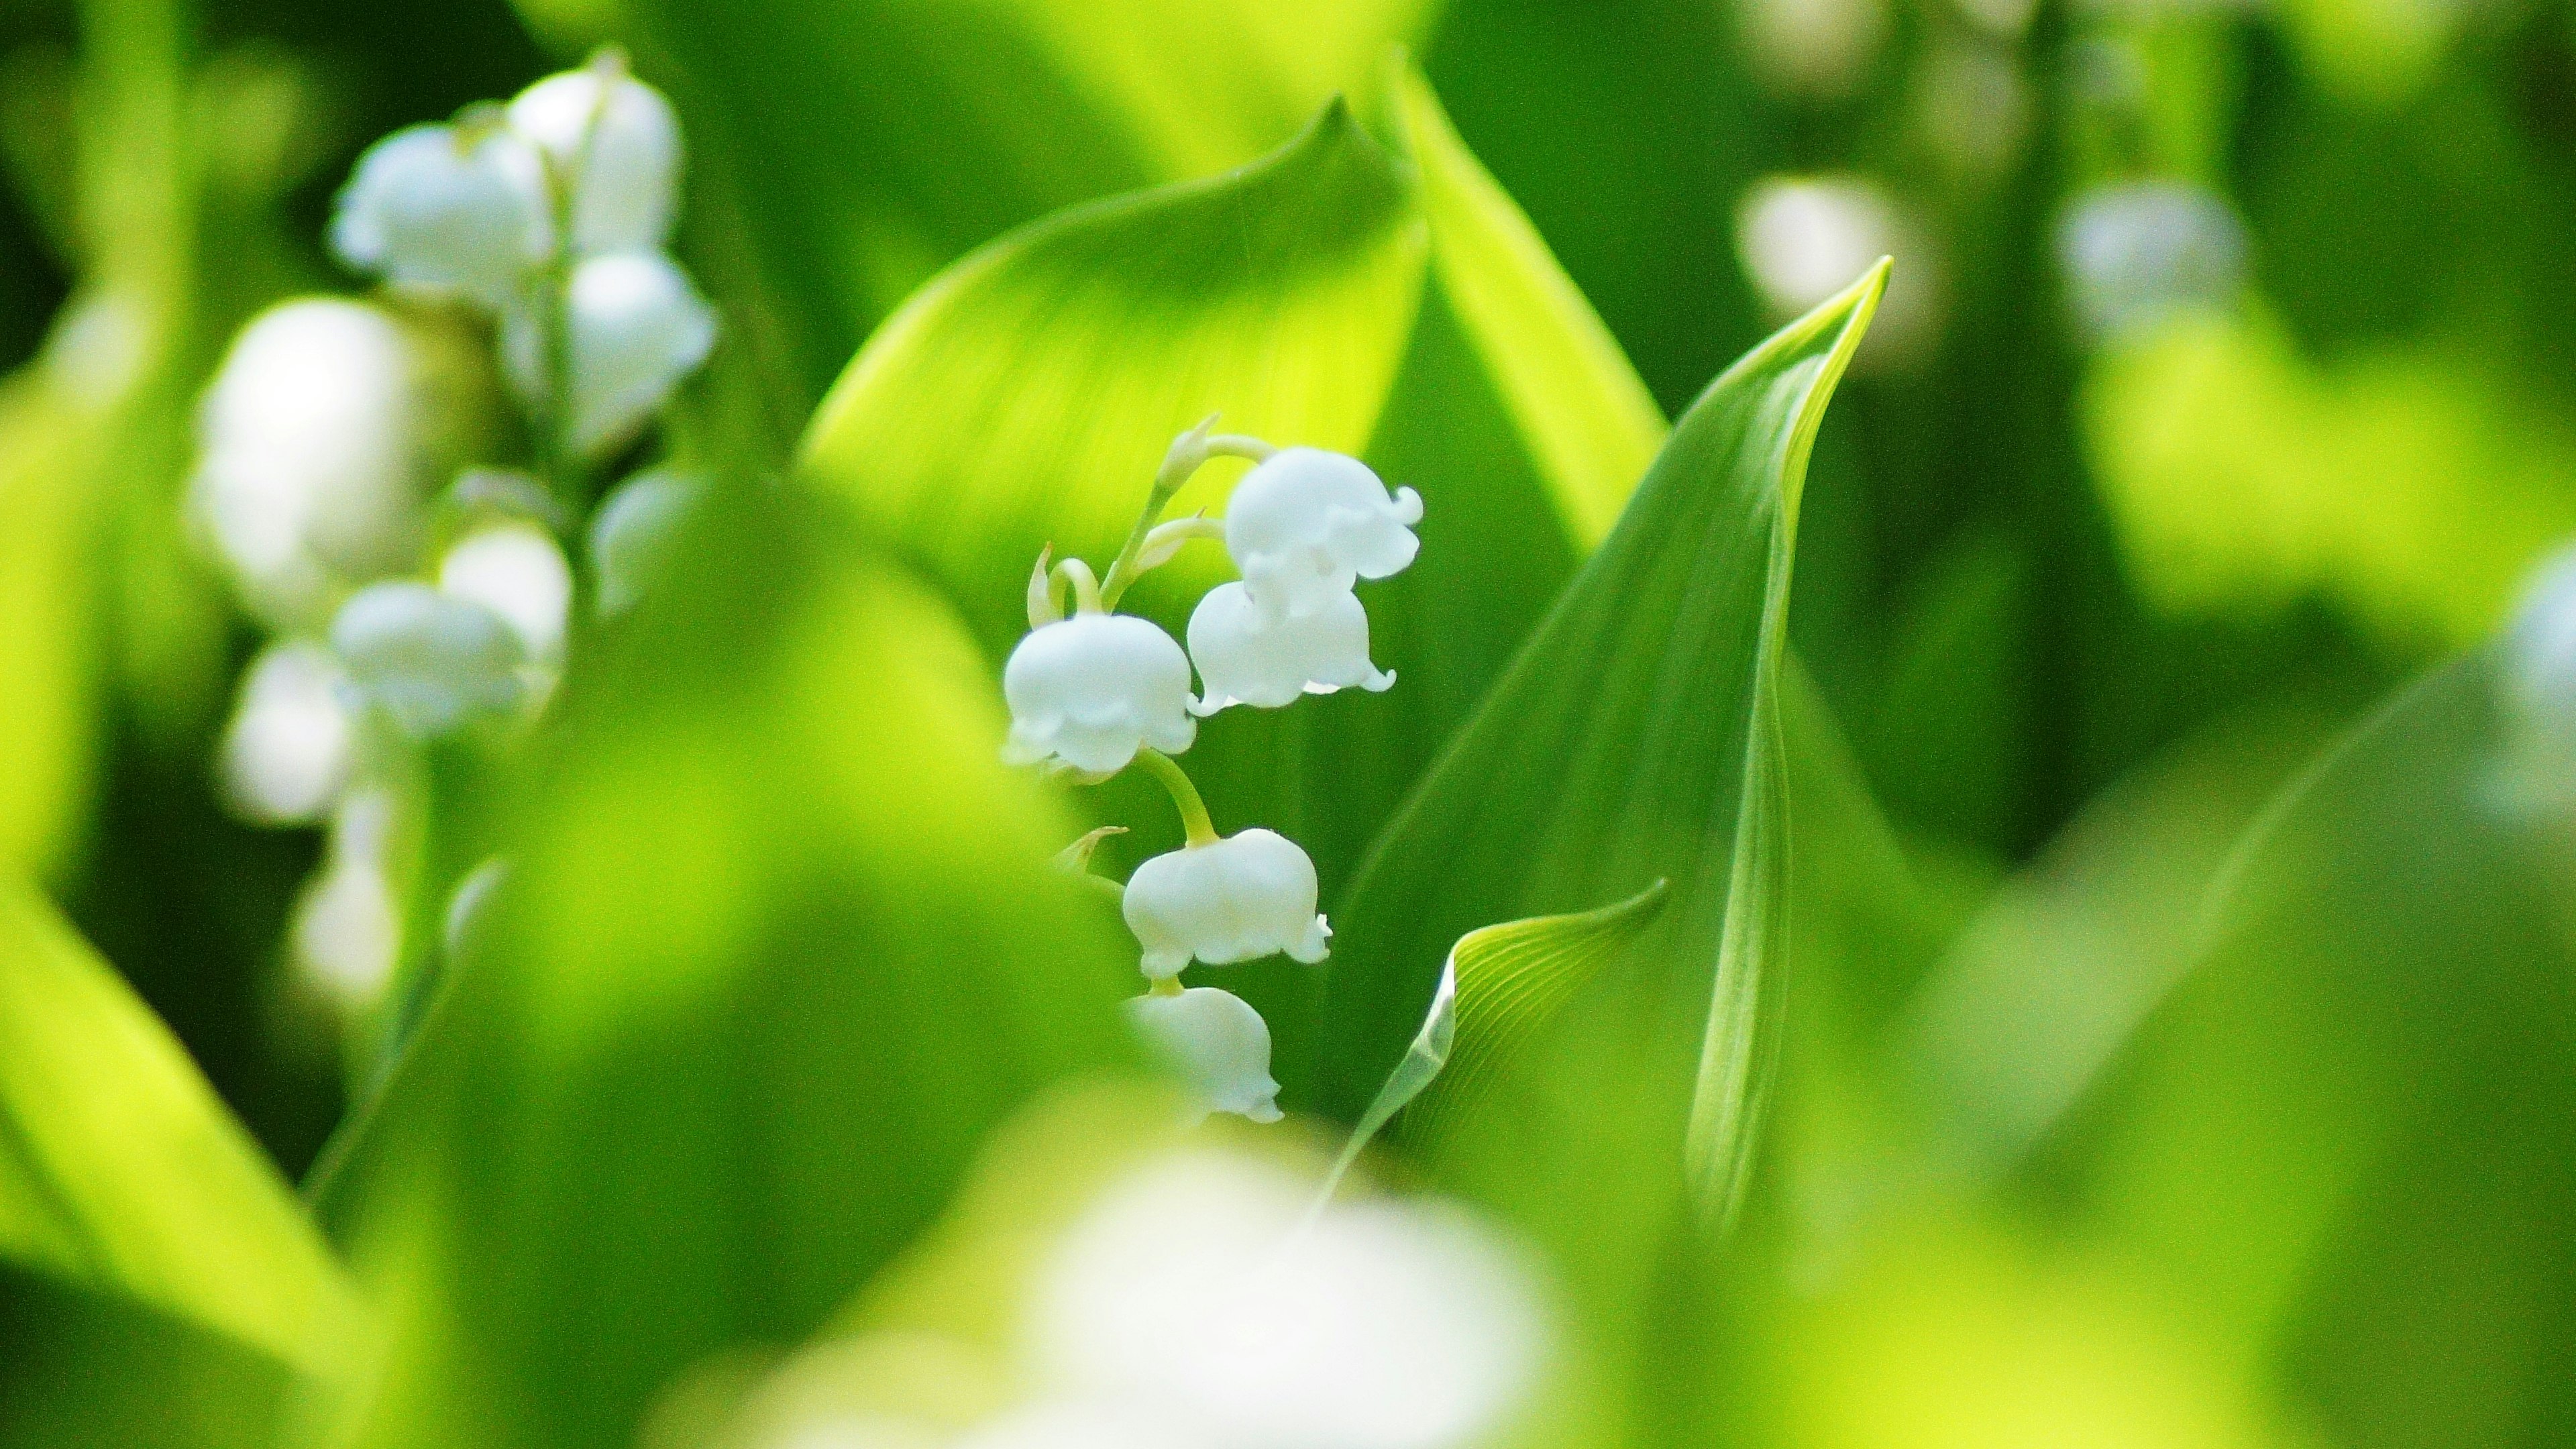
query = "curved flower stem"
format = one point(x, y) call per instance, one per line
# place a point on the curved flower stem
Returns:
point(559, 463)
point(1185, 796)
point(1189, 452)
point(1086, 589)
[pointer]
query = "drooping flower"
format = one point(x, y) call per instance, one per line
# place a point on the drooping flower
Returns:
point(637, 327)
point(1249, 895)
point(1209, 1288)
point(347, 933)
point(433, 663)
point(287, 751)
point(631, 535)
point(1305, 524)
point(1244, 657)
point(1094, 689)
point(517, 571)
point(325, 429)
point(617, 142)
point(447, 210)
point(1218, 1044)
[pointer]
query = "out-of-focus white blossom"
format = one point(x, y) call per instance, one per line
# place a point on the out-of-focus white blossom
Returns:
point(1803, 239)
point(1304, 524)
point(1218, 1044)
point(326, 427)
point(636, 327)
point(617, 141)
point(518, 572)
point(1249, 895)
point(2141, 251)
point(1094, 689)
point(447, 210)
point(1245, 657)
point(632, 533)
point(348, 926)
point(433, 663)
point(1200, 1290)
point(287, 751)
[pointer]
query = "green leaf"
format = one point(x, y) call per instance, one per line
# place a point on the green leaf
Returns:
point(778, 945)
point(121, 1173)
point(48, 677)
point(1635, 737)
point(1500, 986)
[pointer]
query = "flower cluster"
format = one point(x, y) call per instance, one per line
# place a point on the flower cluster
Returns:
point(1095, 691)
point(351, 474)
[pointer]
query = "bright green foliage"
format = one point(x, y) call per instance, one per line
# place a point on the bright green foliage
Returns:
point(121, 1174)
point(778, 945)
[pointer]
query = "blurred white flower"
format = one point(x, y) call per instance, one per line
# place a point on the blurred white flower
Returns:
point(1244, 657)
point(1094, 689)
point(1200, 1290)
point(286, 753)
point(1304, 524)
point(632, 532)
point(1249, 895)
point(432, 663)
point(2135, 253)
point(1804, 239)
point(518, 572)
point(1821, 48)
point(348, 925)
point(637, 327)
point(617, 141)
point(447, 210)
point(1218, 1044)
point(326, 427)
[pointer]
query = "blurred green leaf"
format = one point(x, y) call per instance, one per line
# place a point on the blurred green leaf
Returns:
point(778, 944)
point(1635, 738)
point(48, 672)
point(121, 1173)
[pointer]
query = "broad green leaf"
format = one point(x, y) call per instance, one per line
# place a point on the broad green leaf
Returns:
point(48, 677)
point(778, 944)
point(122, 1174)
point(1586, 419)
point(1634, 738)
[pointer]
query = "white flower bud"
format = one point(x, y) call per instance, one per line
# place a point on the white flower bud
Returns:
point(1209, 1289)
point(1217, 1043)
point(624, 184)
point(632, 533)
point(287, 752)
point(517, 571)
point(348, 925)
point(446, 211)
point(431, 662)
point(327, 426)
point(1245, 658)
point(1305, 524)
point(1094, 689)
point(637, 327)
point(1249, 895)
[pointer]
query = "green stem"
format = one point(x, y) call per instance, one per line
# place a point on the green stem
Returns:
point(1185, 796)
point(1189, 453)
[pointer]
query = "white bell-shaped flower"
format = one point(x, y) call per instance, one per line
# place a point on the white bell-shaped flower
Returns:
point(1094, 689)
point(637, 326)
point(1218, 1044)
point(1305, 523)
point(1249, 895)
point(325, 429)
point(1247, 657)
point(287, 751)
point(1209, 1288)
point(631, 535)
point(617, 141)
point(517, 571)
point(348, 923)
point(446, 211)
point(432, 662)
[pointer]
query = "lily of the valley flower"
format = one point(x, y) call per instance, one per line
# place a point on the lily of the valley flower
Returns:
point(1305, 524)
point(1218, 1044)
point(1094, 689)
point(1249, 895)
point(1246, 657)
point(432, 662)
point(518, 572)
point(617, 142)
point(632, 534)
point(448, 210)
point(637, 327)
point(287, 751)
